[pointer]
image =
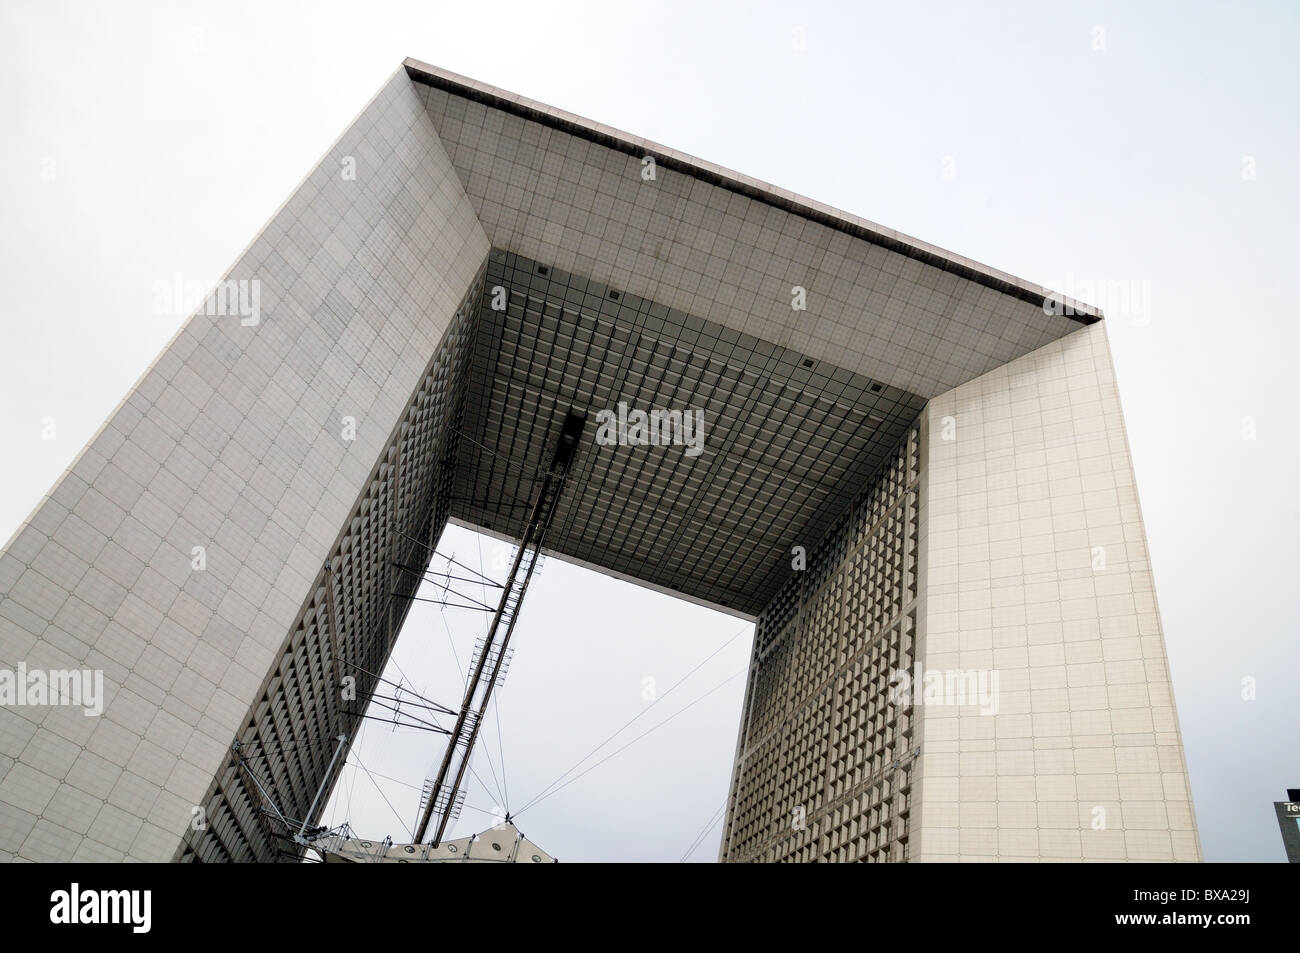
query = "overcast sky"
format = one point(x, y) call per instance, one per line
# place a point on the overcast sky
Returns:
point(1098, 149)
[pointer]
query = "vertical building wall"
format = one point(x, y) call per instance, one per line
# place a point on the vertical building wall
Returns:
point(1035, 566)
point(1004, 552)
point(233, 441)
point(329, 666)
point(826, 758)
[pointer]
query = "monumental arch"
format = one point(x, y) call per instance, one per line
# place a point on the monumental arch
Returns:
point(942, 441)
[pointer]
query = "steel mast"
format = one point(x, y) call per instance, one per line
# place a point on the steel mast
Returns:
point(483, 679)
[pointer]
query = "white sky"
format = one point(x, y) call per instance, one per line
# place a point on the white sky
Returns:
point(995, 130)
point(581, 669)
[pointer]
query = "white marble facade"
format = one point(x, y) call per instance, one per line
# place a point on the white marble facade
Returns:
point(232, 441)
point(1034, 565)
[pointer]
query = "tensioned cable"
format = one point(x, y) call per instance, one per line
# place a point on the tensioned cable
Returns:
point(504, 461)
point(501, 751)
point(540, 798)
point(412, 720)
point(496, 704)
point(432, 551)
point(417, 571)
point(491, 767)
point(420, 694)
point(498, 788)
point(434, 572)
point(449, 711)
point(496, 782)
point(361, 735)
point(703, 835)
point(451, 643)
point(409, 836)
point(488, 579)
point(454, 605)
point(415, 787)
point(428, 702)
point(634, 718)
point(284, 746)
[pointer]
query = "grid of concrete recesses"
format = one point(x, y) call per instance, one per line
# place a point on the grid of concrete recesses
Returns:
point(826, 768)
